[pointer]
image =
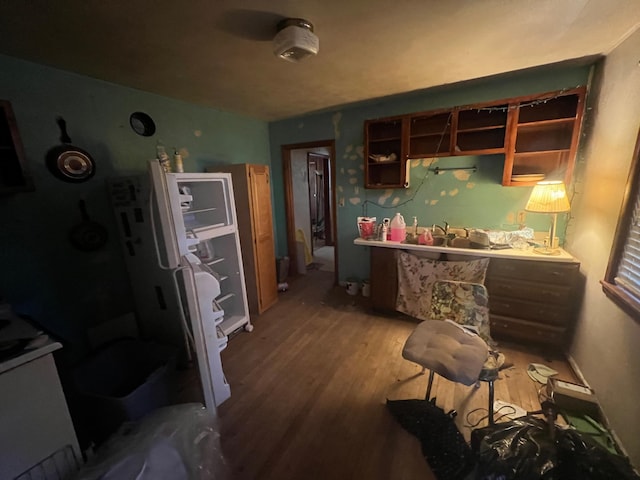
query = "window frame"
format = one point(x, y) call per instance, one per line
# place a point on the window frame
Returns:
point(620, 296)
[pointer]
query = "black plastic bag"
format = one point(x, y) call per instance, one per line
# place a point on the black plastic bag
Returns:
point(581, 456)
point(520, 449)
point(523, 449)
point(443, 446)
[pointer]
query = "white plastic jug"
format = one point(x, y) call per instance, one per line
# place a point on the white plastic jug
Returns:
point(397, 229)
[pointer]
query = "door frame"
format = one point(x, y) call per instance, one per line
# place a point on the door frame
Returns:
point(289, 200)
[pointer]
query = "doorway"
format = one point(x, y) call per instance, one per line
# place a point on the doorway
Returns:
point(309, 179)
point(319, 200)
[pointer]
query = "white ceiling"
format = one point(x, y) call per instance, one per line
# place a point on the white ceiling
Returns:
point(218, 53)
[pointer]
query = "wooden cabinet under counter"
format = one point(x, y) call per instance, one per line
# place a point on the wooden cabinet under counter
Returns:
point(533, 299)
point(383, 279)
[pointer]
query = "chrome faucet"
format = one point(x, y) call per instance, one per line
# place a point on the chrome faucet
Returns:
point(445, 230)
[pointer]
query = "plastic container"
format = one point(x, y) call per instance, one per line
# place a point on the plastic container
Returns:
point(366, 288)
point(122, 381)
point(425, 238)
point(282, 267)
point(177, 159)
point(397, 229)
point(353, 285)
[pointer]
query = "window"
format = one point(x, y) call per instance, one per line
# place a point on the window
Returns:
point(622, 279)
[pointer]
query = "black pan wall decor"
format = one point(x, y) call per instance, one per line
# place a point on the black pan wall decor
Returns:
point(68, 162)
point(87, 235)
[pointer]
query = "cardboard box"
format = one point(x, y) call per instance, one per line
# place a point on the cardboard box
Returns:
point(573, 397)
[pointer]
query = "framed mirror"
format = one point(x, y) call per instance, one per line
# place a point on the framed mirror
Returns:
point(14, 173)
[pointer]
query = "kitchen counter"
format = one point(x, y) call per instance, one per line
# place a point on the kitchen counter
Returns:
point(507, 253)
point(533, 298)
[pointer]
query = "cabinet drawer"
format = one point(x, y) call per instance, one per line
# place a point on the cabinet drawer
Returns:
point(557, 273)
point(527, 332)
point(536, 292)
point(528, 310)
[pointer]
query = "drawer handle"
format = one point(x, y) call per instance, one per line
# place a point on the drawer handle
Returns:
point(552, 294)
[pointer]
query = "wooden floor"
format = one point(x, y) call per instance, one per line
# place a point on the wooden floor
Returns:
point(309, 387)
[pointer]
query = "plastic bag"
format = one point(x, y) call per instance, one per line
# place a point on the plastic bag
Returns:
point(443, 446)
point(582, 456)
point(523, 449)
point(520, 449)
point(179, 442)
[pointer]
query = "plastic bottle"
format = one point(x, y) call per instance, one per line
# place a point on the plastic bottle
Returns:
point(425, 237)
point(177, 159)
point(161, 153)
point(398, 229)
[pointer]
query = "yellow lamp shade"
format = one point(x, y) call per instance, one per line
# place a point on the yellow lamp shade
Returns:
point(548, 197)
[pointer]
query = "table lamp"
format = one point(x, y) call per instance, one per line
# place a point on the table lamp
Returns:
point(549, 197)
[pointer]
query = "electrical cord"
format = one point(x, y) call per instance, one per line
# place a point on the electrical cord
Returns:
point(530, 103)
point(499, 413)
point(424, 178)
point(399, 204)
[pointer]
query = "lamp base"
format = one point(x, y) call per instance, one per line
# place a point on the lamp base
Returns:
point(546, 251)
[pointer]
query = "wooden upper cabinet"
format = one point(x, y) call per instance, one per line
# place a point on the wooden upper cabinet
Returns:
point(430, 134)
point(385, 152)
point(476, 130)
point(538, 135)
point(480, 130)
point(543, 137)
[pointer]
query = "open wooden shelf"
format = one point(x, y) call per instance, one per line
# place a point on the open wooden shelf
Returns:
point(537, 134)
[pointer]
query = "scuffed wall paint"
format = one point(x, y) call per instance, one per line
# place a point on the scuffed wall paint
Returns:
point(39, 267)
point(336, 125)
point(478, 200)
point(606, 340)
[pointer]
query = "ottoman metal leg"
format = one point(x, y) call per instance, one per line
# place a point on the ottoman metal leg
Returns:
point(431, 375)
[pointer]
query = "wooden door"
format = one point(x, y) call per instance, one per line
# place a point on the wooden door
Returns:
point(263, 241)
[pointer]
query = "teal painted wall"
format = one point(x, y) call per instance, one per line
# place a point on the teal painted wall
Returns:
point(478, 200)
point(69, 291)
point(41, 274)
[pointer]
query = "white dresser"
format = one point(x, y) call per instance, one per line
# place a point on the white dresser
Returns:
point(35, 425)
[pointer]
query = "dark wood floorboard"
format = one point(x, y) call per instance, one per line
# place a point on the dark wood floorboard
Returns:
point(310, 383)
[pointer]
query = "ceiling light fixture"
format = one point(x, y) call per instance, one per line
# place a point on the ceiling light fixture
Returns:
point(295, 40)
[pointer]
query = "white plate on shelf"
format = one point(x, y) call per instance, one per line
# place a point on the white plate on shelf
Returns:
point(528, 177)
point(383, 158)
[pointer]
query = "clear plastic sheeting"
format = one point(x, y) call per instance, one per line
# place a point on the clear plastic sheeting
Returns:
point(514, 238)
point(180, 442)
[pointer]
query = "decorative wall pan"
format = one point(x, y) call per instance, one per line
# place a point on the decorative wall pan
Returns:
point(68, 162)
point(87, 235)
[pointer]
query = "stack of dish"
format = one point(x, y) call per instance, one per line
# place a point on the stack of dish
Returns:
point(527, 177)
point(379, 158)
